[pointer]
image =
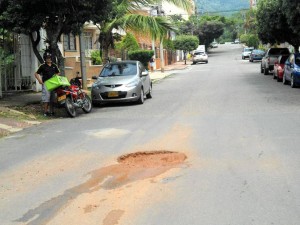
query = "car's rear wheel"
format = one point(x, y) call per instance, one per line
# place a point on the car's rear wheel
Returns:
point(266, 71)
point(261, 69)
point(278, 79)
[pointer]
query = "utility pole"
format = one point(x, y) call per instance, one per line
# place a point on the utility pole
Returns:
point(82, 61)
point(161, 47)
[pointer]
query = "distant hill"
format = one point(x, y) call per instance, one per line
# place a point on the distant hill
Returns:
point(221, 6)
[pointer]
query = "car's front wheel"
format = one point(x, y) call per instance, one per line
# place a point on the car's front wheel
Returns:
point(284, 81)
point(149, 95)
point(293, 85)
point(142, 97)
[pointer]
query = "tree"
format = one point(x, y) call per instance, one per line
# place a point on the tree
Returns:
point(291, 9)
point(186, 43)
point(126, 15)
point(274, 25)
point(55, 16)
point(129, 42)
point(250, 40)
point(209, 30)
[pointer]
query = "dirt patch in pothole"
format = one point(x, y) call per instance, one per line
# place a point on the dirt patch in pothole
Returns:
point(152, 159)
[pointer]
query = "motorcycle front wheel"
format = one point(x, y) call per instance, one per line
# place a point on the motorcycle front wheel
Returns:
point(87, 104)
point(70, 107)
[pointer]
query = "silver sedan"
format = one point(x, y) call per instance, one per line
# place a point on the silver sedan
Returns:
point(122, 81)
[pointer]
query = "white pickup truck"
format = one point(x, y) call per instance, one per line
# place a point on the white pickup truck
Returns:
point(271, 56)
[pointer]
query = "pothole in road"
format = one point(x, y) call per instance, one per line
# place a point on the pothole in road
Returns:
point(131, 168)
point(152, 159)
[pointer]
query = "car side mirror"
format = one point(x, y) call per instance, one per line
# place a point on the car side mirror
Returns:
point(94, 77)
point(145, 73)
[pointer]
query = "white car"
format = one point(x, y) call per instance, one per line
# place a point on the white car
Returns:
point(246, 52)
point(199, 56)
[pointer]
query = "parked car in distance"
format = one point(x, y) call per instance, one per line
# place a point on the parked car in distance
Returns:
point(246, 52)
point(278, 67)
point(199, 56)
point(122, 81)
point(214, 45)
point(267, 62)
point(292, 70)
point(256, 55)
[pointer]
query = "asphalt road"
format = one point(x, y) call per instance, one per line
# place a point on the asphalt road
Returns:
point(238, 128)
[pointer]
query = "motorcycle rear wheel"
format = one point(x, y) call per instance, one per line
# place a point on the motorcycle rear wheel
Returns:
point(87, 104)
point(70, 107)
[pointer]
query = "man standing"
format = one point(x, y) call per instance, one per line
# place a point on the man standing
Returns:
point(152, 61)
point(45, 72)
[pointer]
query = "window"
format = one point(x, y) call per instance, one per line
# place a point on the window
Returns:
point(88, 40)
point(69, 42)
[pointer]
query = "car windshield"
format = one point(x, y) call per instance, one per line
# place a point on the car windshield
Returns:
point(119, 69)
point(248, 49)
point(199, 53)
point(297, 60)
point(258, 52)
point(279, 51)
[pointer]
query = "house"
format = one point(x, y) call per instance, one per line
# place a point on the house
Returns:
point(19, 75)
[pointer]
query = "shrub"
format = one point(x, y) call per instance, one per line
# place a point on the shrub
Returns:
point(141, 55)
point(96, 57)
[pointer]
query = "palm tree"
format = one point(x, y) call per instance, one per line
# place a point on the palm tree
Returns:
point(127, 16)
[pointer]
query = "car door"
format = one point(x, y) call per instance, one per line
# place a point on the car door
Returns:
point(144, 78)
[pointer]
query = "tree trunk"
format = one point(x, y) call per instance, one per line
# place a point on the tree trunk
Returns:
point(35, 44)
point(53, 37)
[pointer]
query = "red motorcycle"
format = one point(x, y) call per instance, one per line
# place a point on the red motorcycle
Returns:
point(73, 97)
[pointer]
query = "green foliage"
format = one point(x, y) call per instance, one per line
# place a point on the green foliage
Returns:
point(96, 57)
point(129, 43)
point(274, 25)
point(55, 16)
point(209, 31)
point(168, 44)
point(291, 10)
point(243, 38)
point(250, 40)
point(253, 40)
point(141, 55)
point(186, 43)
